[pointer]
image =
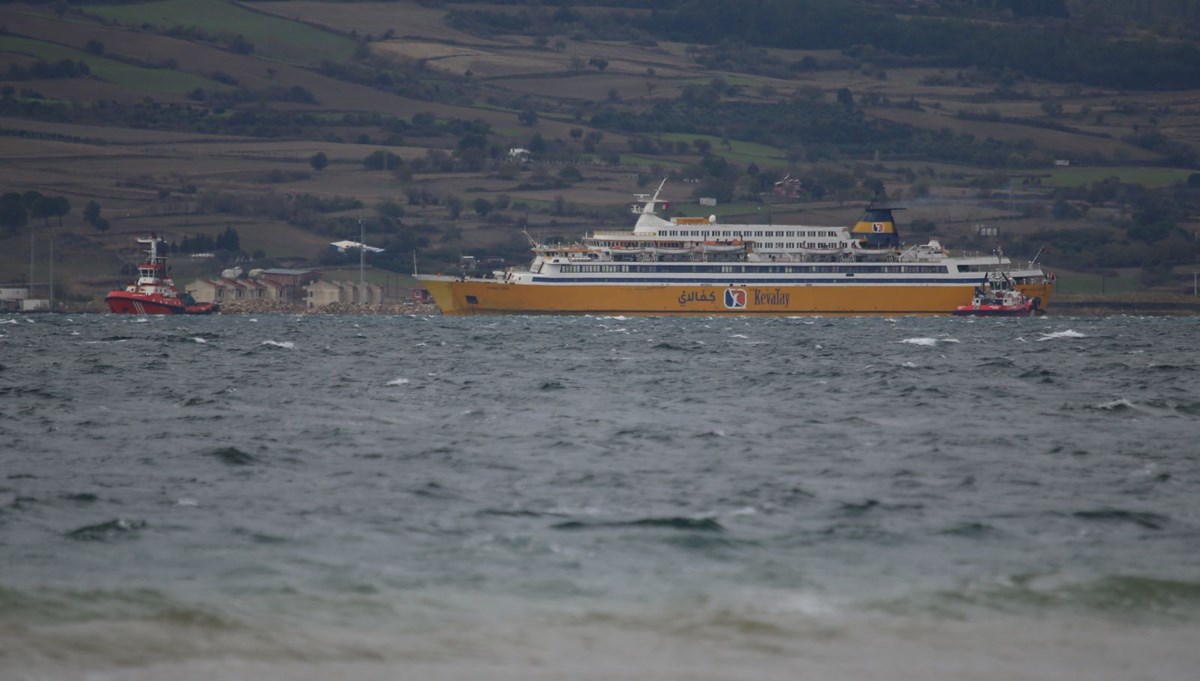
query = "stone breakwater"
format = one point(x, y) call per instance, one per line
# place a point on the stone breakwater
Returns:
point(274, 306)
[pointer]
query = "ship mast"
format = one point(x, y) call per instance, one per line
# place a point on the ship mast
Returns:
point(646, 208)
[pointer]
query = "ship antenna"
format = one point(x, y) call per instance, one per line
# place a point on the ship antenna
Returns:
point(648, 202)
point(654, 199)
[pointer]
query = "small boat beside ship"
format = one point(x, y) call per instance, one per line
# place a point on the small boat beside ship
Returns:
point(699, 266)
point(999, 297)
point(154, 292)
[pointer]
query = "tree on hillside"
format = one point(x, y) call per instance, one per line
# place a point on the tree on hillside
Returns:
point(390, 209)
point(382, 160)
point(42, 207)
point(29, 197)
point(228, 240)
point(240, 45)
point(318, 161)
point(59, 207)
point(91, 215)
point(875, 186)
point(537, 144)
point(13, 214)
point(528, 117)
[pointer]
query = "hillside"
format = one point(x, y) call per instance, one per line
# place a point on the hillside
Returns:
point(292, 122)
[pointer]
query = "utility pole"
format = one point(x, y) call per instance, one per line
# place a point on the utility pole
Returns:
point(52, 271)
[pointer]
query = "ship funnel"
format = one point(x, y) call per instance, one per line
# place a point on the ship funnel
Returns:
point(877, 228)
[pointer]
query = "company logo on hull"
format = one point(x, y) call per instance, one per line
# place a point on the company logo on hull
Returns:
point(735, 298)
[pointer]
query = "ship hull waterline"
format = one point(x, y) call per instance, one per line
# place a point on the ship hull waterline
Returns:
point(459, 296)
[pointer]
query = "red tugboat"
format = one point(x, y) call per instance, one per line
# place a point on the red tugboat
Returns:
point(999, 298)
point(154, 291)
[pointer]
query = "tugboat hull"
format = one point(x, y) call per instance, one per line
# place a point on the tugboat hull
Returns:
point(121, 302)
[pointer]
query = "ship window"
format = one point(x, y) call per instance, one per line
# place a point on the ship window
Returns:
point(472, 300)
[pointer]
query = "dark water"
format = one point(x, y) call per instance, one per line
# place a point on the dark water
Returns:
point(599, 498)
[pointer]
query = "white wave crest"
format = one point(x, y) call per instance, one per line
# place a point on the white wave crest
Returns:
point(198, 339)
point(1069, 333)
point(398, 381)
point(1121, 403)
point(287, 345)
point(929, 342)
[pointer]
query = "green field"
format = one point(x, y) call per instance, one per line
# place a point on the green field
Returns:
point(274, 38)
point(1148, 176)
point(741, 152)
point(1070, 283)
point(167, 81)
point(647, 161)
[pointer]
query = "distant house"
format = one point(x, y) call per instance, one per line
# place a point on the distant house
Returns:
point(323, 293)
point(225, 289)
point(788, 188)
point(206, 291)
point(272, 290)
point(17, 299)
point(291, 282)
point(518, 155)
point(343, 246)
point(364, 294)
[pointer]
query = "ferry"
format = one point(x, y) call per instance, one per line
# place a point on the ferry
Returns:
point(154, 291)
point(699, 266)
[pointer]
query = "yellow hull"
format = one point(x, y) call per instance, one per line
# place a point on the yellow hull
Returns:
point(486, 296)
point(1040, 291)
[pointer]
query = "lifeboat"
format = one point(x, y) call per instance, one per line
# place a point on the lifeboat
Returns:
point(626, 248)
point(728, 246)
point(154, 291)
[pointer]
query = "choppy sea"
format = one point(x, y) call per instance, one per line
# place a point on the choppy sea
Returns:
point(371, 498)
